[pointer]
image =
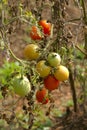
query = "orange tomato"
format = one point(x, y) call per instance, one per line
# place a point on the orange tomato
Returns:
point(42, 95)
point(45, 26)
point(35, 33)
point(51, 82)
point(31, 52)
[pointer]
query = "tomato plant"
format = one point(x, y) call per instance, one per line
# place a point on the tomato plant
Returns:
point(42, 95)
point(51, 82)
point(46, 27)
point(31, 51)
point(50, 44)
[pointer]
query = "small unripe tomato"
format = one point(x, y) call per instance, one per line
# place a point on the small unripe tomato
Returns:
point(35, 33)
point(54, 59)
point(61, 73)
point(42, 95)
point(46, 27)
point(51, 83)
point(42, 68)
point(21, 85)
point(31, 52)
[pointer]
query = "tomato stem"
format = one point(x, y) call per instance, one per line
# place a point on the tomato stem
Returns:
point(73, 89)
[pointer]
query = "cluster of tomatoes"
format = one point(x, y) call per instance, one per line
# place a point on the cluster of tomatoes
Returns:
point(35, 33)
point(50, 69)
point(32, 51)
point(52, 73)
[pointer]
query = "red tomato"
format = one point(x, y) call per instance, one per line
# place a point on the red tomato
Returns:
point(45, 26)
point(51, 82)
point(35, 34)
point(41, 95)
point(46, 101)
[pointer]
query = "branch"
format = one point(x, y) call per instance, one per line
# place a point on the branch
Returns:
point(23, 62)
point(81, 50)
point(84, 11)
point(73, 89)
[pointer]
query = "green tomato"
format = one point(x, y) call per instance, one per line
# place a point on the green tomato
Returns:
point(21, 85)
point(54, 59)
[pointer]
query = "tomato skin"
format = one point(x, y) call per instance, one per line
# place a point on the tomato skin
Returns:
point(35, 34)
point(31, 52)
point(51, 83)
point(46, 101)
point(21, 85)
point(41, 96)
point(45, 26)
point(61, 73)
point(54, 59)
point(43, 69)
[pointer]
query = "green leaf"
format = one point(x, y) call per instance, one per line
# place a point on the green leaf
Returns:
point(1, 97)
point(3, 123)
point(7, 70)
point(69, 103)
point(57, 112)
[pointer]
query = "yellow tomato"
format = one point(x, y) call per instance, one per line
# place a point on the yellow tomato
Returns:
point(31, 52)
point(43, 69)
point(61, 73)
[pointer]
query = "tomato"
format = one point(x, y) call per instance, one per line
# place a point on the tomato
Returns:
point(42, 95)
point(61, 73)
point(51, 82)
point(21, 85)
point(54, 59)
point(46, 27)
point(35, 33)
point(42, 68)
point(31, 52)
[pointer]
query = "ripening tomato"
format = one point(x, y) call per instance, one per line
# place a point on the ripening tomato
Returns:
point(42, 68)
point(51, 82)
point(42, 95)
point(21, 85)
point(61, 73)
point(54, 59)
point(35, 33)
point(45, 26)
point(31, 52)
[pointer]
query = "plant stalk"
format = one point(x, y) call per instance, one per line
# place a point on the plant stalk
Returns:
point(71, 79)
point(85, 21)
